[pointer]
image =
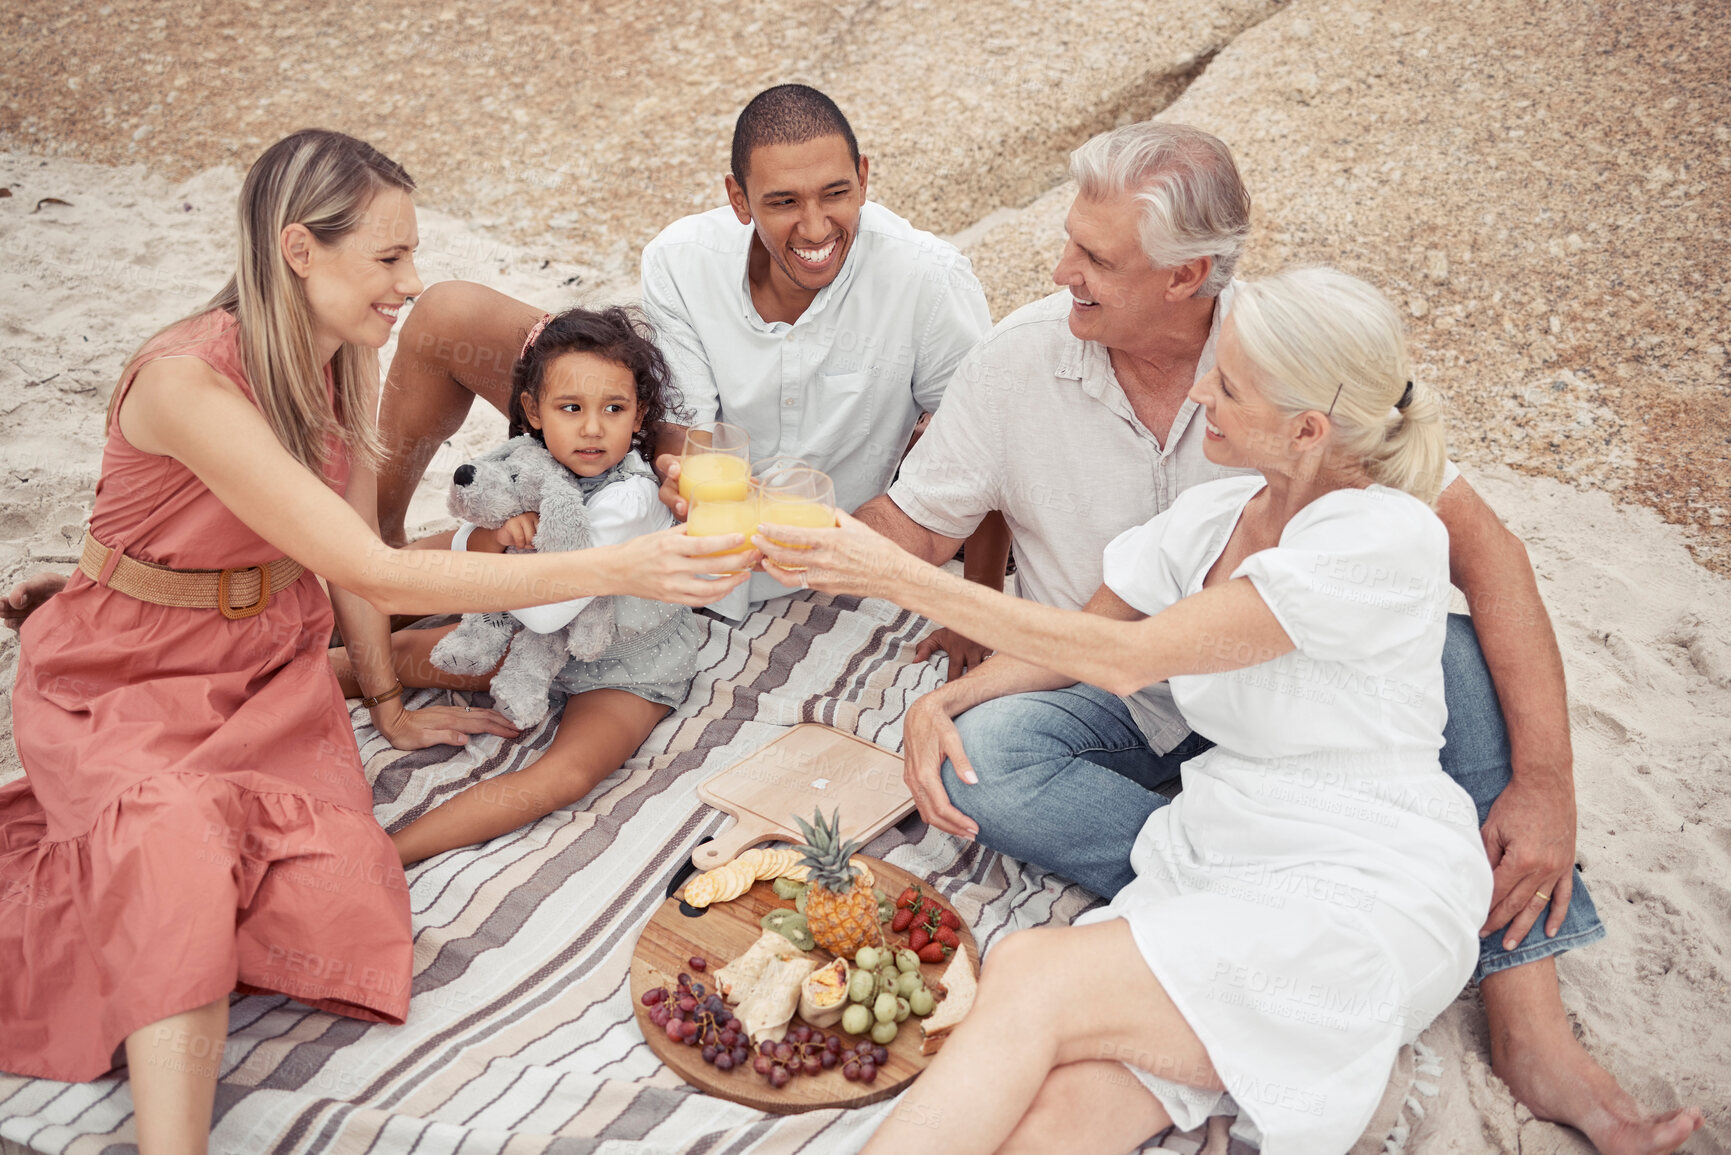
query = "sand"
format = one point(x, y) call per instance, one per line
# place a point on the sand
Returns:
point(1599, 372)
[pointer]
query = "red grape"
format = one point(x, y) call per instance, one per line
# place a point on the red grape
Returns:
point(697, 963)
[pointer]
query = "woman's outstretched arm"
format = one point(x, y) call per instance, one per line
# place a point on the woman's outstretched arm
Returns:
point(180, 407)
point(367, 643)
point(1225, 627)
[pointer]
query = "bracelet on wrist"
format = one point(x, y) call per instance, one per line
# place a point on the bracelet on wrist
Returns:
point(376, 699)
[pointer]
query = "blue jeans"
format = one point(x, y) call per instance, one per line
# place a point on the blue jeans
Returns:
point(1067, 781)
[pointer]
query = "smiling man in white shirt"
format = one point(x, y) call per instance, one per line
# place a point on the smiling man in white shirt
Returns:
point(822, 323)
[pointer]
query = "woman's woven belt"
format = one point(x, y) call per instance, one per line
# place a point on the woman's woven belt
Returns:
point(193, 589)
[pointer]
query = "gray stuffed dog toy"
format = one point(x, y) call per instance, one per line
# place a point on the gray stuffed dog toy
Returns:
point(518, 477)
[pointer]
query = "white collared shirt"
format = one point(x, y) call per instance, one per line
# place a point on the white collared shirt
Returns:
point(1036, 425)
point(843, 385)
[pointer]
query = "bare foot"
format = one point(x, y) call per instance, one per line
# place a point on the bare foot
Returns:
point(1536, 1054)
point(27, 595)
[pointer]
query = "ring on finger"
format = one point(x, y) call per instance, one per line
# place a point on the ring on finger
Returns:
point(1541, 896)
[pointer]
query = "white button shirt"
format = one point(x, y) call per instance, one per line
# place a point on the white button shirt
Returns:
point(1036, 425)
point(843, 385)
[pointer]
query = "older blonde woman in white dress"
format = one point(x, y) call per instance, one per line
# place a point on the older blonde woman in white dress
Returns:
point(1312, 898)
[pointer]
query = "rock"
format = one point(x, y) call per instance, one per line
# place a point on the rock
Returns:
point(1550, 164)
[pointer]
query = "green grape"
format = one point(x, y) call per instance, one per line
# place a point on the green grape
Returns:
point(908, 984)
point(867, 958)
point(902, 1009)
point(883, 1034)
point(885, 1008)
point(861, 985)
point(907, 961)
point(922, 1003)
point(856, 1020)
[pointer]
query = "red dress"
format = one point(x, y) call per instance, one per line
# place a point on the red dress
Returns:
point(193, 818)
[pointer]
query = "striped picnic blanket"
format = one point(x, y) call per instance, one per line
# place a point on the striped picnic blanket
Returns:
point(521, 1036)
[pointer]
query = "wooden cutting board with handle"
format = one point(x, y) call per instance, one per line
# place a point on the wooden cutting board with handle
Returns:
point(810, 767)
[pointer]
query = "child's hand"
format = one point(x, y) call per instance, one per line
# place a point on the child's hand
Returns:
point(519, 532)
point(667, 466)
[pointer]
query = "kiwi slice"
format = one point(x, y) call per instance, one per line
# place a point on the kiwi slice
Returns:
point(791, 925)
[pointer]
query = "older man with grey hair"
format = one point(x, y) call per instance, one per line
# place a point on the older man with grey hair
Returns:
point(1073, 420)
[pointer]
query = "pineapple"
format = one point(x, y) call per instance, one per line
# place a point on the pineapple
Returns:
point(840, 908)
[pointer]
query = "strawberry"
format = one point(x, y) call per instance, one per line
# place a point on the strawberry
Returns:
point(902, 920)
point(910, 895)
point(918, 938)
point(951, 919)
point(947, 937)
point(932, 952)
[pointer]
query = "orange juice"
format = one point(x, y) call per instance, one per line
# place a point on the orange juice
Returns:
point(808, 514)
point(712, 518)
point(713, 477)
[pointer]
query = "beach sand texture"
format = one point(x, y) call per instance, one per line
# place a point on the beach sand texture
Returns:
point(1541, 185)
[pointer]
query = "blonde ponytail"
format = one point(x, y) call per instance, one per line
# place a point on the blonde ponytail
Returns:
point(1324, 341)
point(1415, 448)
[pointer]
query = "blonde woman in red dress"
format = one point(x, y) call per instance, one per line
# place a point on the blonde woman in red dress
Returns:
point(193, 818)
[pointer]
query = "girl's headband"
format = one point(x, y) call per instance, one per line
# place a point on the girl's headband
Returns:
point(529, 341)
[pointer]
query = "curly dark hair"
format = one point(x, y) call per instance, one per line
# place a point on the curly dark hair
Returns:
point(617, 334)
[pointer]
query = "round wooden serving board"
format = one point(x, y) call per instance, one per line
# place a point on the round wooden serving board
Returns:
point(723, 932)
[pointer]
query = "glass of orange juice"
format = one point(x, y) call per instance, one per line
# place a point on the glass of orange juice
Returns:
point(797, 495)
point(716, 465)
point(718, 509)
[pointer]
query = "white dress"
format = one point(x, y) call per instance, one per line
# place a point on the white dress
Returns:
point(1312, 899)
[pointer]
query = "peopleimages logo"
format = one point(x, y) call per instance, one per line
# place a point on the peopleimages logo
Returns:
point(332, 978)
point(1303, 999)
